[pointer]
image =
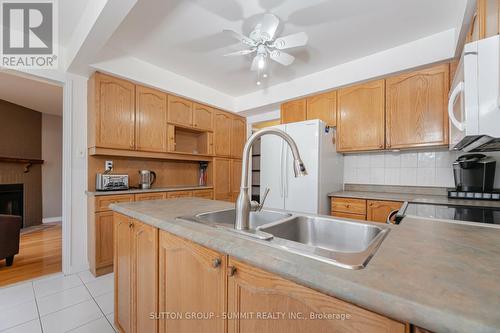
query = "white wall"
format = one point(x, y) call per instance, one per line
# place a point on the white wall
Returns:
point(52, 167)
point(424, 168)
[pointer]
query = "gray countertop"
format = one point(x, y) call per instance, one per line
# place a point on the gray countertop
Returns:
point(440, 276)
point(151, 190)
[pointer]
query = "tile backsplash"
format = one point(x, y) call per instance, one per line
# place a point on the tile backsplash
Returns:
point(422, 168)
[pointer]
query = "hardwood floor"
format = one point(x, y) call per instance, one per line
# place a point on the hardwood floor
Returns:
point(40, 253)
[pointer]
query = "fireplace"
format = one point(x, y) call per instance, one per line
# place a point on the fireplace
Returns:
point(11, 199)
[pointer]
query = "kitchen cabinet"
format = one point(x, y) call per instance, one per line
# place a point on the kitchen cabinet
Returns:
point(238, 137)
point(151, 120)
point(349, 205)
point(203, 117)
point(417, 108)
point(179, 194)
point(361, 117)
point(235, 184)
point(205, 194)
point(150, 196)
point(252, 290)
point(222, 141)
point(222, 179)
point(378, 210)
point(293, 111)
point(100, 232)
point(136, 275)
point(323, 107)
point(192, 280)
point(180, 111)
point(111, 121)
point(486, 20)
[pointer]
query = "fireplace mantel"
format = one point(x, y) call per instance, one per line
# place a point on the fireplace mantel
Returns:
point(26, 161)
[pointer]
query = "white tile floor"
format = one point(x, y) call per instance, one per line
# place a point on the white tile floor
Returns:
point(76, 303)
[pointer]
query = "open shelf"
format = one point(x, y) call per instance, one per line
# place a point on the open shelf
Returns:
point(189, 141)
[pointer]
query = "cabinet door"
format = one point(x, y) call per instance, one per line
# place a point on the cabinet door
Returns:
point(203, 117)
point(115, 113)
point(293, 111)
point(192, 280)
point(123, 273)
point(417, 108)
point(144, 277)
point(235, 178)
point(180, 111)
point(361, 117)
point(223, 124)
point(104, 239)
point(323, 107)
point(238, 137)
point(222, 179)
point(378, 211)
point(151, 120)
point(251, 290)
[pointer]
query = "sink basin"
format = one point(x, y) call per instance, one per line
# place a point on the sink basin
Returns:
point(341, 236)
point(338, 242)
point(226, 218)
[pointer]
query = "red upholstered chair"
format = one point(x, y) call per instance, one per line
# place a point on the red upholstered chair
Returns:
point(10, 229)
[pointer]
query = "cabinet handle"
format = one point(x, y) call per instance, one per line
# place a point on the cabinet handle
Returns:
point(130, 225)
point(381, 146)
point(231, 271)
point(216, 262)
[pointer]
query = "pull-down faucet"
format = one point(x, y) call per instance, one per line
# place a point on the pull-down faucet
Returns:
point(243, 204)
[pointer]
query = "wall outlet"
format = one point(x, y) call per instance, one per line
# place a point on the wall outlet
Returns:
point(108, 165)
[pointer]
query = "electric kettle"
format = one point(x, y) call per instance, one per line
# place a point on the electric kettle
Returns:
point(146, 179)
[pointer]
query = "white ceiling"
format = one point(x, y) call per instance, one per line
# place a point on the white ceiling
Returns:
point(70, 12)
point(185, 36)
point(32, 94)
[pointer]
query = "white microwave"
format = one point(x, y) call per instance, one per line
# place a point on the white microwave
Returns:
point(474, 103)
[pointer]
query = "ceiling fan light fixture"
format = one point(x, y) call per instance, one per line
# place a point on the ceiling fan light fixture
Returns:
point(261, 63)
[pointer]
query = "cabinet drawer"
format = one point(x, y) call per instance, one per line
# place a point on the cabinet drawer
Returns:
point(102, 202)
point(349, 216)
point(150, 196)
point(349, 205)
point(207, 194)
point(179, 194)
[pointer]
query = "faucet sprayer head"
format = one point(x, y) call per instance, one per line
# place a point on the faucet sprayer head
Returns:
point(299, 168)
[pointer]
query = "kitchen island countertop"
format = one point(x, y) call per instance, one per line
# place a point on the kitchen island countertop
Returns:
point(437, 275)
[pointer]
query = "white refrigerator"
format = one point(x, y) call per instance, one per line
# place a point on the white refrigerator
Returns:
point(307, 194)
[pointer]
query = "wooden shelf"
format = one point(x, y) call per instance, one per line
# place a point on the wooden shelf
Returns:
point(27, 161)
point(93, 151)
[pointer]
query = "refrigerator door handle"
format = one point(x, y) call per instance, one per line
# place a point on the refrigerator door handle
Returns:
point(286, 171)
point(281, 170)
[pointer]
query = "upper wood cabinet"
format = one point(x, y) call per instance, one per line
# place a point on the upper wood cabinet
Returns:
point(192, 280)
point(361, 117)
point(417, 108)
point(203, 117)
point(323, 107)
point(486, 20)
point(255, 291)
point(223, 124)
point(151, 120)
point(238, 136)
point(111, 103)
point(378, 210)
point(136, 275)
point(180, 111)
point(293, 111)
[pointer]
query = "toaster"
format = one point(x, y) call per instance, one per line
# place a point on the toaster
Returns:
point(111, 182)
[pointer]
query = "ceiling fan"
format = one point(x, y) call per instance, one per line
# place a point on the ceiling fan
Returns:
point(263, 41)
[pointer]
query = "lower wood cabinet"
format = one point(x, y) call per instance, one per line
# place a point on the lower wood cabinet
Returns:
point(361, 209)
point(150, 196)
point(252, 290)
point(192, 280)
point(205, 194)
point(222, 179)
point(179, 194)
point(136, 275)
point(378, 210)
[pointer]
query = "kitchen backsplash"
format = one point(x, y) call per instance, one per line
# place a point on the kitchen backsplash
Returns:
point(425, 168)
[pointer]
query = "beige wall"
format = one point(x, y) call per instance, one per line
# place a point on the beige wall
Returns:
point(20, 136)
point(52, 167)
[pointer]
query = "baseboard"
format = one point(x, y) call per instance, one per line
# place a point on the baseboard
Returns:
point(52, 219)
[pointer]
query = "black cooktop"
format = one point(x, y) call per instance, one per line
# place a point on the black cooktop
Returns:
point(487, 215)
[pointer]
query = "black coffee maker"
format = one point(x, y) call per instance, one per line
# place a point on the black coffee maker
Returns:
point(474, 173)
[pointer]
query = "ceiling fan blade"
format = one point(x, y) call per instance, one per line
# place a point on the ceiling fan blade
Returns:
point(281, 57)
point(269, 25)
point(294, 40)
point(238, 53)
point(244, 39)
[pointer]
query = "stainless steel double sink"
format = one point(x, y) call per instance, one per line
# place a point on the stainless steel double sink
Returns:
point(338, 242)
